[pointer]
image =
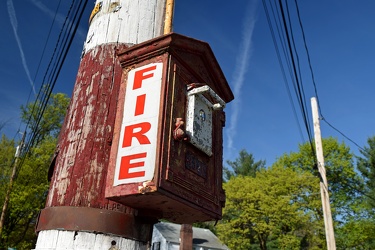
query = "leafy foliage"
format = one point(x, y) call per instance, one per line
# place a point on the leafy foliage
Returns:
point(280, 207)
point(49, 122)
point(366, 165)
point(356, 234)
point(29, 194)
point(343, 181)
point(269, 211)
point(244, 165)
point(31, 185)
point(7, 151)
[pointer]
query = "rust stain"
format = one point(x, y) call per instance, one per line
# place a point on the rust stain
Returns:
point(147, 187)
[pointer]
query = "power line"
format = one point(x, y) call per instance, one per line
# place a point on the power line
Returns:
point(59, 61)
point(308, 55)
point(62, 47)
point(347, 184)
point(40, 62)
point(313, 78)
point(47, 40)
point(281, 61)
point(36, 112)
point(329, 124)
point(291, 57)
point(283, 25)
point(300, 92)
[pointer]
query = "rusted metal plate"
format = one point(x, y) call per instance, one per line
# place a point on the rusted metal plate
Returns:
point(95, 220)
point(187, 181)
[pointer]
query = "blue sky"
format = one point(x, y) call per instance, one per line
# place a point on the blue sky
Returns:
point(340, 38)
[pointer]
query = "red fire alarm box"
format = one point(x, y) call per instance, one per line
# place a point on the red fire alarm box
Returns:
point(166, 155)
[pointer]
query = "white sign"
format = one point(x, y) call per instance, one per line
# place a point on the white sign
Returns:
point(136, 153)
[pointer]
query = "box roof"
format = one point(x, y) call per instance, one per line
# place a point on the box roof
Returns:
point(201, 237)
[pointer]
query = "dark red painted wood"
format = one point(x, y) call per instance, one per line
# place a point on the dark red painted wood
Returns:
point(85, 140)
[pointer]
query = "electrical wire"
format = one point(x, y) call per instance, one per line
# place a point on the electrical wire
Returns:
point(54, 73)
point(281, 62)
point(38, 107)
point(40, 62)
point(300, 91)
point(308, 55)
point(39, 92)
point(66, 36)
point(329, 124)
point(347, 184)
point(313, 78)
point(283, 25)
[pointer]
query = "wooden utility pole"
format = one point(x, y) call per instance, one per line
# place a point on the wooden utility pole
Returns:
point(11, 181)
point(122, 160)
point(328, 223)
point(77, 214)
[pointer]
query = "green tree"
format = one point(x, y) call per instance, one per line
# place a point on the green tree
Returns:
point(344, 182)
point(48, 122)
point(269, 211)
point(345, 185)
point(7, 151)
point(366, 165)
point(31, 185)
point(28, 195)
point(258, 209)
point(356, 233)
point(244, 165)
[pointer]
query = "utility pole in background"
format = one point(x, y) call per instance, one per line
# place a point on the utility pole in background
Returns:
point(328, 223)
point(77, 214)
point(11, 181)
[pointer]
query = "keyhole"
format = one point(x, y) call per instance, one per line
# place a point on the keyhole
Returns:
point(202, 115)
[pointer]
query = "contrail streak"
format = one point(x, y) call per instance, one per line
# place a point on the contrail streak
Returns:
point(13, 21)
point(241, 66)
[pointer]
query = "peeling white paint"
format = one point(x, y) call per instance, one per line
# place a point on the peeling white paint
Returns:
point(58, 240)
point(135, 22)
